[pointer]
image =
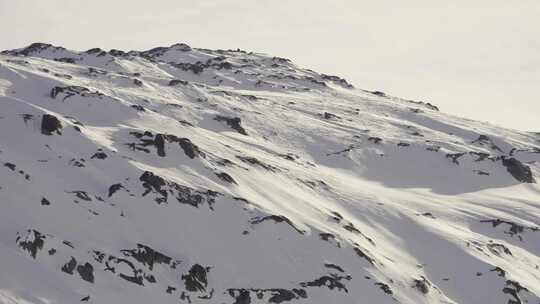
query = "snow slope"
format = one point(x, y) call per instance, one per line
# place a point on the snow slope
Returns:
point(180, 175)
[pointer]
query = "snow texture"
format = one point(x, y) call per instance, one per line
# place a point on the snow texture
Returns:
point(184, 175)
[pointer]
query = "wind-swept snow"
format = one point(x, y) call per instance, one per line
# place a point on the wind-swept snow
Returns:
point(184, 175)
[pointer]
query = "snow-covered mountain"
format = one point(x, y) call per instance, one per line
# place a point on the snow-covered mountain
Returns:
point(183, 175)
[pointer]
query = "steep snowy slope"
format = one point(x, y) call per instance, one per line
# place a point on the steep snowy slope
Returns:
point(180, 175)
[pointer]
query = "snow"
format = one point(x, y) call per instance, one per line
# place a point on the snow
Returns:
point(310, 185)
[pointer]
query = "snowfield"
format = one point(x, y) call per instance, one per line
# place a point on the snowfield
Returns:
point(183, 175)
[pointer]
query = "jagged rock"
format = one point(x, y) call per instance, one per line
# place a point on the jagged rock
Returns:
point(331, 281)
point(385, 288)
point(138, 108)
point(378, 93)
point(226, 177)
point(82, 195)
point(421, 285)
point(50, 124)
point(69, 267)
point(518, 170)
point(190, 149)
point(342, 82)
point(86, 272)
point(454, 157)
point(153, 182)
point(10, 166)
point(32, 242)
point(233, 122)
point(45, 202)
point(328, 115)
point(177, 81)
point(485, 140)
point(159, 142)
point(114, 188)
point(241, 296)
point(99, 155)
point(276, 219)
point(274, 295)
point(183, 194)
point(147, 256)
point(196, 279)
point(361, 254)
point(72, 91)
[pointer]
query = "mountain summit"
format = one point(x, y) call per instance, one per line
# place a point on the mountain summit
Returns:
point(187, 175)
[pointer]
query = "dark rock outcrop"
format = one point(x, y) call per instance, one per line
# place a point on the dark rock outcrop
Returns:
point(86, 272)
point(50, 124)
point(195, 279)
point(518, 170)
point(147, 256)
point(233, 122)
point(69, 267)
point(32, 242)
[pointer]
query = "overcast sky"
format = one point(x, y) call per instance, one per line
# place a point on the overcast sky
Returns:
point(474, 58)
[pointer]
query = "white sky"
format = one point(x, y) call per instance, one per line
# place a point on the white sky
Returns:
point(474, 58)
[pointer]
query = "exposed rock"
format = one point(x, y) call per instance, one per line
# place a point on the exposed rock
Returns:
point(45, 202)
point(328, 115)
point(159, 142)
point(190, 149)
point(276, 219)
point(518, 170)
point(378, 93)
point(10, 166)
point(338, 80)
point(226, 177)
point(385, 288)
point(514, 228)
point(485, 140)
point(147, 256)
point(331, 281)
point(273, 295)
point(177, 81)
point(138, 108)
point(334, 266)
point(82, 195)
point(361, 254)
point(241, 296)
point(72, 91)
point(196, 279)
point(183, 194)
point(50, 124)
point(114, 188)
point(32, 242)
point(454, 157)
point(255, 161)
point(86, 272)
point(69, 267)
point(233, 122)
point(422, 285)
